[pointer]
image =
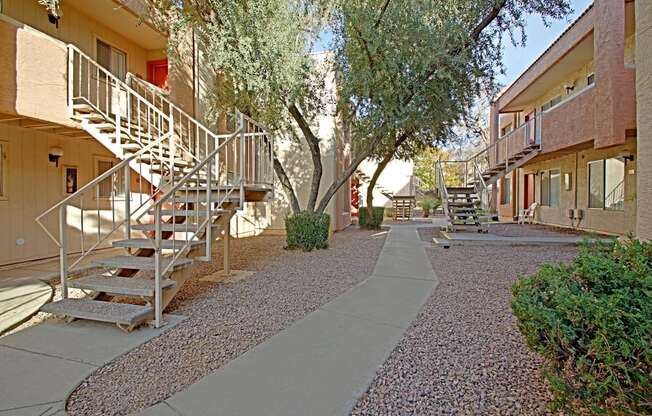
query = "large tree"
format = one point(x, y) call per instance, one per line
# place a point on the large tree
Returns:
point(405, 69)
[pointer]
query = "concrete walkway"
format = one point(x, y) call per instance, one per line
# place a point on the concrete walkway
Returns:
point(492, 239)
point(25, 287)
point(41, 365)
point(323, 363)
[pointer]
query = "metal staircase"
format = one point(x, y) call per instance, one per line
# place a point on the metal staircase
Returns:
point(165, 203)
point(465, 186)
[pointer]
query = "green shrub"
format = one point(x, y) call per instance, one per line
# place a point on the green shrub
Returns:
point(372, 222)
point(592, 321)
point(307, 230)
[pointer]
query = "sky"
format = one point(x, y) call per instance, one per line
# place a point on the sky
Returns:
point(538, 37)
point(516, 58)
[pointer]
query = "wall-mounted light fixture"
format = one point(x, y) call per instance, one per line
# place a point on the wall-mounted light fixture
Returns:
point(629, 158)
point(54, 154)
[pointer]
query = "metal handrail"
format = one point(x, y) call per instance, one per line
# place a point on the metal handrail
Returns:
point(117, 80)
point(92, 184)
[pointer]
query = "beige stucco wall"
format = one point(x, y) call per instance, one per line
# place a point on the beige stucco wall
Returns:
point(298, 165)
point(644, 117)
point(576, 163)
point(33, 51)
point(395, 178)
point(34, 184)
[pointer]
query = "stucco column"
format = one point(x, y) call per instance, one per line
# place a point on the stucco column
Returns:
point(644, 119)
point(609, 67)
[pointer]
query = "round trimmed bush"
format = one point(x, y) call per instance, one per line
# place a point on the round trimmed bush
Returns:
point(307, 230)
point(371, 222)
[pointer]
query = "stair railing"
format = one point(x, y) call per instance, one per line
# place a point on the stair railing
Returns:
point(443, 192)
point(200, 204)
point(258, 166)
point(194, 138)
point(99, 210)
point(132, 115)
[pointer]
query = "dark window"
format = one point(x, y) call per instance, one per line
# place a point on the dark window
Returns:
point(506, 191)
point(555, 187)
point(545, 188)
point(596, 184)
point(590, 80)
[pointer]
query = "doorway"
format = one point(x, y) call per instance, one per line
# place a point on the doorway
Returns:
point(157, 73)
point(528, 190)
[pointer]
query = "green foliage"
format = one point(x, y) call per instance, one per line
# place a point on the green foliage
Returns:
point(307, 230)
point(592, 321)
point(373, 221)
point(429, 202)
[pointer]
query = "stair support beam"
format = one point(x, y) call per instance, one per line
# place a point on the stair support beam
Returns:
point(227, 247)
point(63, 260)
point(158, 292)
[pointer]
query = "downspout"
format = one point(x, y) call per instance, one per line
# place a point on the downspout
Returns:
point(575, 185)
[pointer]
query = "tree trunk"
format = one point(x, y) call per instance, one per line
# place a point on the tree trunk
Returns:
point(287, 185)
point(315, 153)
point(374, 178)
point(380, 168)
point(346, 174)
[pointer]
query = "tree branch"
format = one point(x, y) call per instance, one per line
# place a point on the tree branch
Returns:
point(381, 167)
point(474, 36)
point(382, 12)
point(287, 185)
point(346, 174)
point(315, 153)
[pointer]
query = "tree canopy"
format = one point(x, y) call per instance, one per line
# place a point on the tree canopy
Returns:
point(406, 71)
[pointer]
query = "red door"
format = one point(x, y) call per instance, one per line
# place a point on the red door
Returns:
point(157, 73)
point(528, 195)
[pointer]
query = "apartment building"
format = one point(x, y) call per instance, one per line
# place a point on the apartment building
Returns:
point(564, 134)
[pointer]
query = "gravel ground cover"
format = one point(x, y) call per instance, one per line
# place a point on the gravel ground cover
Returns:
point(226, 319)
point(463, 354)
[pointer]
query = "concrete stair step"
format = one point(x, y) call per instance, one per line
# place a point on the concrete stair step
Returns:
point(189, 213)
point(83, 108)
point(95, 310)
point(147, 243)
point(140, 263)
point(115, 285)
point(178, 227)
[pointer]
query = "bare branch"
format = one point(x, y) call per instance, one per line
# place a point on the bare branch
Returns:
point(315, 153)
point(287, 185)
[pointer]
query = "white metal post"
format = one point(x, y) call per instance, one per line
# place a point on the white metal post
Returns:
point(127, 179)
point(63, 260)
point(242, 161)
point(71, 79)
point(209, 214)
point(158, 313)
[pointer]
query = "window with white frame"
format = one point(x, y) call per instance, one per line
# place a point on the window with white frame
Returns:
point(607, 184)
point(114, 185)
point(551, 187)
point(112, 59)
